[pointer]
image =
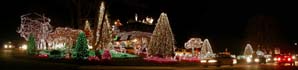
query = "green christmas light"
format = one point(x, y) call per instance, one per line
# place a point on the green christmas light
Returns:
point(80, 50)
point(31, 45)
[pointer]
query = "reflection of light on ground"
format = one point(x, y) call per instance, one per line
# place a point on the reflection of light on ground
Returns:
point(274, 64)
point(23, 47)
point(7, 50)
point(249, 67)
point(7, 53)
point(287, 64)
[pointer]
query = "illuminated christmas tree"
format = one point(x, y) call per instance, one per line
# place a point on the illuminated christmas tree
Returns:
point(206, 50)
point(162, 39)
point(88, 32)
point(81, 49)
point(87, 29)
point(31, 45)
point(248, 51)
point(103, 35)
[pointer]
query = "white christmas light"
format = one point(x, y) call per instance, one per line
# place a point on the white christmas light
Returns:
point(36, 24)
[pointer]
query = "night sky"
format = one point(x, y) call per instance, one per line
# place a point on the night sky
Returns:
point(224, 23)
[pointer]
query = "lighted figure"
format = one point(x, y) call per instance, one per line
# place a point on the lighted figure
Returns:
point(37, 25)
point(193, 43)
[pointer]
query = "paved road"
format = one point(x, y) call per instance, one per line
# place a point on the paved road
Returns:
point(9, 61)
point(236, 67)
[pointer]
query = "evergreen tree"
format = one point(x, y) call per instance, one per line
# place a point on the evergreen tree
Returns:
point(31, 45)
point(81, 48)
point(162, 39)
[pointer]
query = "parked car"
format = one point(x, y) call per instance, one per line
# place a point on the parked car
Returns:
point(283, 59)
point(219, 60)
point(261, 59)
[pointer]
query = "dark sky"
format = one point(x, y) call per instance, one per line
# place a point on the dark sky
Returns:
point(224, 23)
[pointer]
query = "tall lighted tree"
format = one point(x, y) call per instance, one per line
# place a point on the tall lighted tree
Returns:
point(81, 49)
point(103, 34)
point(162, 39)
point(31, 45)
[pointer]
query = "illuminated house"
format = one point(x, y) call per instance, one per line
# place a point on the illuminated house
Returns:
point(134, 35)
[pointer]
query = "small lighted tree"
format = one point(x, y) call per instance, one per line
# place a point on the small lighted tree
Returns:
point(88, 32)
point(31, 45)
point(248, 51)
point(206, 50)
point(81, 48)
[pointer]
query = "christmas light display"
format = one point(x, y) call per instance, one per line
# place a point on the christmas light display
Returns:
point(162, 39)
point(206, 50)
point(103, 35)
point(31, 45)
point(80, 51)
point(106, 54)
point(133, 34)
point(116, 54)
point(193, 43)
point(88, 32)
point(37, 25)
point(248, 51)
point(62, 36)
